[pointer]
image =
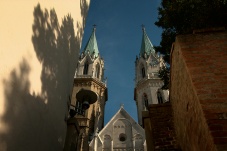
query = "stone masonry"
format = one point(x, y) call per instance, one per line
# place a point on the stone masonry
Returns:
point(159, 128)
point(198, 90)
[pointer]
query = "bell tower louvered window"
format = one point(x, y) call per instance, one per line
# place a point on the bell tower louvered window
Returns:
point(86, 65)
point(145, 100)
point(97, 71)
point(143, 72)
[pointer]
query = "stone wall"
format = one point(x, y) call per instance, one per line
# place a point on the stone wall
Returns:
point(73, 135)
point(198, 90)
point(159, 128)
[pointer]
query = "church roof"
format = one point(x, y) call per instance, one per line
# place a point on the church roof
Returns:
point(122, 113)
point(92, 47)
point(146, 45)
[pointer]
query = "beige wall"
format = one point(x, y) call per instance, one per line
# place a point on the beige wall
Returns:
point(36, 80)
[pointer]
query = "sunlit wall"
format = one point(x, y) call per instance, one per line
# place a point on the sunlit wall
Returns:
point(39, 46)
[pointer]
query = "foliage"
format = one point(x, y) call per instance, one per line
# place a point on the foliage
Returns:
point(183, 16)
point(168, 36)
point(164, 74)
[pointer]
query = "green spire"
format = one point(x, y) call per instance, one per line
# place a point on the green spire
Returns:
point(92, 46)
point(146, 45)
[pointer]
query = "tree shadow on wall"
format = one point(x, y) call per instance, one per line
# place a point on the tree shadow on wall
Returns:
point(57, 48)
point(81, 26)
point(37, 122)
point(23, 113)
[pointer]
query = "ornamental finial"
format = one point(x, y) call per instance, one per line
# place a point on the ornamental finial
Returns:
point(94, 26)
point(122, 105)
point(143, 27)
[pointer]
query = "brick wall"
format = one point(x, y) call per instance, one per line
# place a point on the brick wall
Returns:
point(198, 90)
point(159, 131)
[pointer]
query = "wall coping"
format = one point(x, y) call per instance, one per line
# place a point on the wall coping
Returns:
point(160, 105)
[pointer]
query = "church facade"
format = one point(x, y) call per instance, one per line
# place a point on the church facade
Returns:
point(121, 133)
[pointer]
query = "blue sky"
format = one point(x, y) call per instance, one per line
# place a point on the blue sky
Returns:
point(119, 36)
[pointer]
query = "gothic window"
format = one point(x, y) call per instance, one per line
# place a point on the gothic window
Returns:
point(86, 65)
point(159, 97)
point(107, 143)
point(145, 100)
point(97, 71)
point(138, 141)
point(143, 73)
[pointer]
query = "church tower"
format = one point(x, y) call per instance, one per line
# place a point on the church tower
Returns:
point(147, 81)
point(89, 76)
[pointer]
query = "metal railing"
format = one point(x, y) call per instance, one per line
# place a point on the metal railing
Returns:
point(103, 80)
point(148, 76)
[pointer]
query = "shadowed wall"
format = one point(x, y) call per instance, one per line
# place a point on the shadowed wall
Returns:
point(198, 90)
point(35, 87)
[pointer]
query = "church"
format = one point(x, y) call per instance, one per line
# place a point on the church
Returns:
point(121, 133)
point(89, 96)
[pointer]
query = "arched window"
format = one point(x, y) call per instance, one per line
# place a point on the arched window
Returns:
point(107, 143)
point(145, 100)
point(86, 65)
point(97, 71)
point(138, 141)
point(159, 95)
point(143, 72)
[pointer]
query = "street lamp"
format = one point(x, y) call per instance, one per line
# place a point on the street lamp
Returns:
point(84, 97)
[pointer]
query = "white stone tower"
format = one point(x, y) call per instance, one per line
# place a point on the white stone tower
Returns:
point(89, 75)
point(147, 81)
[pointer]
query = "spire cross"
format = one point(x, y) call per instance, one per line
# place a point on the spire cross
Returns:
point(122, 105)
point(94, 26)
point(143, 26)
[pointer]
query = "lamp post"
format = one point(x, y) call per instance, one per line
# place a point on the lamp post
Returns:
point(85, 98)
